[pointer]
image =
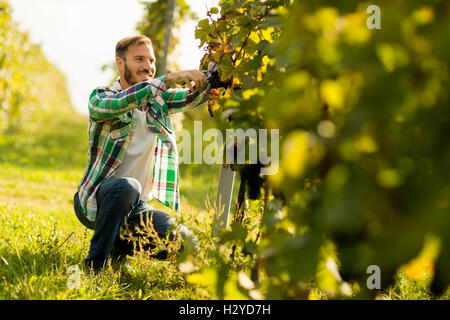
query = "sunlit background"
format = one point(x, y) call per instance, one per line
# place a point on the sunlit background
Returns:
point(79, 37)
point(363, 122)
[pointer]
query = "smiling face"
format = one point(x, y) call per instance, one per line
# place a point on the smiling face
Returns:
point(138, 65)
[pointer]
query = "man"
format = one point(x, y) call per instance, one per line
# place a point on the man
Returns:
point(132, 150)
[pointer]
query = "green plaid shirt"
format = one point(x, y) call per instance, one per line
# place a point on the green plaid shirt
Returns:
point(111, 123)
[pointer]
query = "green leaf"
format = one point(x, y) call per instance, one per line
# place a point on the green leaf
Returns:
point(237, 233)
point(232, 290)
point(207, 277)
point(204, 24)
point(226, 66)
point(201, 35)
point(271, 21)
point(222, 25)
point(238, 4)
point(263, 46)
point(252, 65)
point(244, 20)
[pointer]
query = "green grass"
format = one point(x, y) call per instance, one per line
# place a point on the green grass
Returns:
point(40, 237)
point(406, 288)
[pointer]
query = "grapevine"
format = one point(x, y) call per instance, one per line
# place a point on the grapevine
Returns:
point(348, 102)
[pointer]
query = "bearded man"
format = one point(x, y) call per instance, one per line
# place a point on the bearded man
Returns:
point(132, 156)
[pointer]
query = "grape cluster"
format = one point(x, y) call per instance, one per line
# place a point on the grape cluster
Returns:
point(251, 174)
point(214, 79)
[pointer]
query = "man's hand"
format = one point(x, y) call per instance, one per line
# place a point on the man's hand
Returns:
point(186, 78)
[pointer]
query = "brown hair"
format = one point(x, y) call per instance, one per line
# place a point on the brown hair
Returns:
point(123, 45)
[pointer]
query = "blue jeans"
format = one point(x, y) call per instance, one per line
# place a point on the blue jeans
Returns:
point(118, 202)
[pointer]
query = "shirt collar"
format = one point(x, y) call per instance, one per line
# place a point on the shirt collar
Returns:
point(116, 85)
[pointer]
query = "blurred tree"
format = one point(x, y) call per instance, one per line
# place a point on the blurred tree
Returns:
point(31, 87)
point(153, 25)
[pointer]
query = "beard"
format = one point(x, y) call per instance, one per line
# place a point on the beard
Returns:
point(129, 77)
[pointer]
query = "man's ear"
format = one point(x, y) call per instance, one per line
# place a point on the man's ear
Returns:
point(120, 63)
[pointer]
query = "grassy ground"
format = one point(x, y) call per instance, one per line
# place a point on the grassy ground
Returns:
point(42, 242)
point(41, 237)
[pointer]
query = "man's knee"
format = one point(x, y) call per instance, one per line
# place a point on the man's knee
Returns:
point(130, 190)
point(124, 192)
